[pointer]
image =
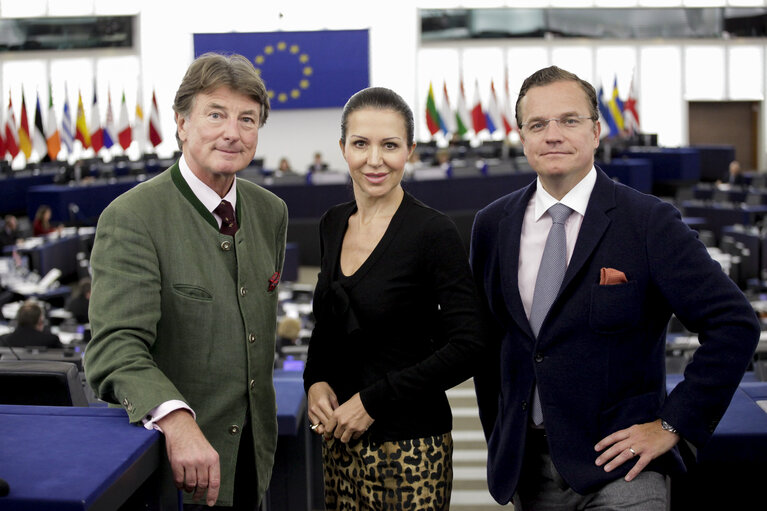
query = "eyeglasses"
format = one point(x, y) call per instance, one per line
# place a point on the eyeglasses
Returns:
point(568, 122)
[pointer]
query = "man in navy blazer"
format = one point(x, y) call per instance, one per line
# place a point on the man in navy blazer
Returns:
point(609, 430)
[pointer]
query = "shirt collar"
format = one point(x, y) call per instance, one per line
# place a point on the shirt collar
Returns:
point(203, 192)
point(576, 199)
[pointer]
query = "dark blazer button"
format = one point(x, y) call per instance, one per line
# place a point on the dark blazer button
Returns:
point(524, 405)
point(226, 245)
point(539, 357)
point(234, 429)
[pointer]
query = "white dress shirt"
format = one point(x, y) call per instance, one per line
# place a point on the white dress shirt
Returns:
point(535, 229)
point(210, 199)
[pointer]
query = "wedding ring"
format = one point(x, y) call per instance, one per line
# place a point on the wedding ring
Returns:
point(314, 426)
point(633, 452)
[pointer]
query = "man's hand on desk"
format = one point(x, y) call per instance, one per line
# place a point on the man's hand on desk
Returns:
point(194, 462)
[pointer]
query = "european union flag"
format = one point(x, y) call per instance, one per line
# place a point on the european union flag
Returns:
point(319, 69)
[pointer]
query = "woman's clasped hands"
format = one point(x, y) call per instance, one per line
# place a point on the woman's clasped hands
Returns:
point(344, 422)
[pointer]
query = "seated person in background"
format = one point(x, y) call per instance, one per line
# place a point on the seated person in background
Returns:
point(735, 174)
point(42, 223)
point(10, 231)
point(318, 165)
point(77, 304)
point(442, 158)
point(30, 329)
point(413, 162)
point(288, 331)
point(284, 168)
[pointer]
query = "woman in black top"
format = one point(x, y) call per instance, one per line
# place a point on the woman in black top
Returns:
point(397, 323)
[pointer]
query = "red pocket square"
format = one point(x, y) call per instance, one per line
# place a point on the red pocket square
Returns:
point(273, 281)
point(611, 276)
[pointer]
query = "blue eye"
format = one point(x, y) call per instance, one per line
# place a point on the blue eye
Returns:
point(570, 122)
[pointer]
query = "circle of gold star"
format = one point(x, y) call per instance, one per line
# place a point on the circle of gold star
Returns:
point(307, 71)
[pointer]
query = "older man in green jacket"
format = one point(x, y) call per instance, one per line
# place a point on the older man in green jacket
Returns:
point(184, 299)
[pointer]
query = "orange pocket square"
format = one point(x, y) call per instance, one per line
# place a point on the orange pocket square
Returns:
point(611, 276)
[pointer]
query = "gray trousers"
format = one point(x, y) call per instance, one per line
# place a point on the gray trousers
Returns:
point(541, 488)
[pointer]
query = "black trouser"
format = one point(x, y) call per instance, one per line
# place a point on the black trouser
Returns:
point(245, 478)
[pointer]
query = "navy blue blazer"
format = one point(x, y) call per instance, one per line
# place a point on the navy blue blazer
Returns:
point(599, 359)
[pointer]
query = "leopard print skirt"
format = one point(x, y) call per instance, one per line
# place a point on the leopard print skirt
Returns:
point(414, 474)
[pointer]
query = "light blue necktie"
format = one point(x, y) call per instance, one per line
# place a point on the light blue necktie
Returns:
point(548, 281)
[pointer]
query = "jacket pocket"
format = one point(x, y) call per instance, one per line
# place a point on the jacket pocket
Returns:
point(614, 308)
point(193, 292)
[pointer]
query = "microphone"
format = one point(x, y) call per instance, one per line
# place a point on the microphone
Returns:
point(4, 488)
point(17, 358)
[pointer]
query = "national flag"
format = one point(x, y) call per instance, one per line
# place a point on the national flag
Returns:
point(81, 125)
point(493, 114)
point(2, 138)
point(606, 116)
point(433, 122)
point(478, 118)
point(11, 133)
point(25, 142)
point(39, 142)
point(124, 131)
point(311, 69)
point(67, 133)
point(139, 126)
point(97, 134)
point(462, 113)
point(630, 112)
point(52, 134)
point(507, 115)
point(446, 114)
point(109, 125)
point(616, 106)
point(155, 130)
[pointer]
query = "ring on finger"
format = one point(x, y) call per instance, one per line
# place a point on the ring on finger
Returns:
point(633, 452)
point(314, 426)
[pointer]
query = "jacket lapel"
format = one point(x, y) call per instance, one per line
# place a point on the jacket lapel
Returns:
point(594, 225)
point(509, 234)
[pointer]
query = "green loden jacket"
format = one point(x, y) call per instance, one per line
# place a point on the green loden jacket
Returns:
point(180, 311)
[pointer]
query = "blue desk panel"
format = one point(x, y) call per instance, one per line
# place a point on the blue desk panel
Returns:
point(13, 190)
point(670, 164)
point(291, 401)
point(741, 435)
point(634, 172)
point(91, 199)
point(715, 161)
point(66, 458)
point(729, 472)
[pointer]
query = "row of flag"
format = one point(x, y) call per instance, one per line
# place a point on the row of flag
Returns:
point(46, 138)
point(495, 117)
point(618, 117)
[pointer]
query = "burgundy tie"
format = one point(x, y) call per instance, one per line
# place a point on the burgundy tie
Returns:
point(228, 220)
